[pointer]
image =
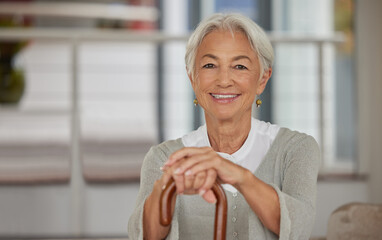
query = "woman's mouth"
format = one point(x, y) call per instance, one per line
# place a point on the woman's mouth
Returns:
point(224, 98)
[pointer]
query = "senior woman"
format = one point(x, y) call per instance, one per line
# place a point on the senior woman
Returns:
point(269, 173)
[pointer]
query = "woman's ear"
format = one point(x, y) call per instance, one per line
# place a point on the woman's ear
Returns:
point(191, 79)
point(263, 81)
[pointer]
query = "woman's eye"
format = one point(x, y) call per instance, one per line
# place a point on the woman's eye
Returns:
point(209, 65)
point(241, 67)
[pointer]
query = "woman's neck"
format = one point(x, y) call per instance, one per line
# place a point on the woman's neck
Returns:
point(228, 136)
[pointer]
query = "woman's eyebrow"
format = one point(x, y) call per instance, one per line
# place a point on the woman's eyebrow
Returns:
point(209, 55)
point(241, 57)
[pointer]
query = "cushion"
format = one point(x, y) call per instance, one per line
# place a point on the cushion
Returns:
point(356, 221)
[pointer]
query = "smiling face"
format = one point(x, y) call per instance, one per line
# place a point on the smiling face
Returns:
point(227, 72)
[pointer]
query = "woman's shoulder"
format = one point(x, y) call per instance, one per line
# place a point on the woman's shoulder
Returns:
point(297, 147)
point(168, 147)
point(291, 139)
point(159, 153)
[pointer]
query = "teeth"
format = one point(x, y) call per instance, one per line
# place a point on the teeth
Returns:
point(223, 96)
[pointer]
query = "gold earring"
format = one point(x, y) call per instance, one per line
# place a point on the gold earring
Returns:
point(196, 102)
point(258, 102)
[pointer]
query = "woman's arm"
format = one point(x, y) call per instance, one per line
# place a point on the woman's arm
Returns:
point(152, 229)
point(261, 197)
point(144, 221)
point(287, 208)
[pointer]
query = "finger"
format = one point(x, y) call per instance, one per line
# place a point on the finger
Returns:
point(210, 197)
point(199, 179)
point(168, 173)
point(205, 190)
point(185, 152)
point(190, 161)
point(166, 176)
point(200, 166)
point(177, 166)
point(189, 182)
point(209, 182)
point(164, 168)
point(179, 183)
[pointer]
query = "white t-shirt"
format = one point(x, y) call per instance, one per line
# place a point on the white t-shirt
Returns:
point(252, 152)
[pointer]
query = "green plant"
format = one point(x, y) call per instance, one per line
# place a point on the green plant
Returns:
point(12, 82)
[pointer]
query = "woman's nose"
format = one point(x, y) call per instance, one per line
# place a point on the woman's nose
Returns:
point(224, 78)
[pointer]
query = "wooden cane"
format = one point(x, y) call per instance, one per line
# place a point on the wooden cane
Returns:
point(168, 194)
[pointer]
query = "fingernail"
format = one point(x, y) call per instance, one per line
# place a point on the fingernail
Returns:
point(163, 187)
point(188, 173)
point(177, 171)
point(168, 161)
point(202, 192)
point(163, 168)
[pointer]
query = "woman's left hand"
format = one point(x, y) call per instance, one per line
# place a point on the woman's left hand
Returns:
point(193, 160)
point(261, 197)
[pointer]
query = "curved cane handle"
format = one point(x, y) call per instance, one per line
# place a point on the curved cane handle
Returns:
point(168, 194)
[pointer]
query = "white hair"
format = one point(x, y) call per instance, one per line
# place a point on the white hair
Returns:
point(230, 22)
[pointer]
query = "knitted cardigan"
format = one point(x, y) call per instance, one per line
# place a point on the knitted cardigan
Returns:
point(290, 166)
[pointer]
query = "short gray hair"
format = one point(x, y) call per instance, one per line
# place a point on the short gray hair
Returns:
point(230, 22)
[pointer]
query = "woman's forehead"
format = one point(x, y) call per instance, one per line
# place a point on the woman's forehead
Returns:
point(225, 42)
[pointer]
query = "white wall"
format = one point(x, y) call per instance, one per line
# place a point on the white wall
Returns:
point(333, 194)
point(369, 91)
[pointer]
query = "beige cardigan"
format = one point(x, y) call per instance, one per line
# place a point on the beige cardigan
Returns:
point(290, 167)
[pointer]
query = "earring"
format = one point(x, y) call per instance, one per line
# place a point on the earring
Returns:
point(195, 102)
point(258, 102)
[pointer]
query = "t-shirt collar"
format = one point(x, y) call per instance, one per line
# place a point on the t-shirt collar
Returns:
point(243, 151)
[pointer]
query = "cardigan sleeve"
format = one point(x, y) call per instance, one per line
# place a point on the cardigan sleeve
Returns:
point(297, 194)
point(150, 172)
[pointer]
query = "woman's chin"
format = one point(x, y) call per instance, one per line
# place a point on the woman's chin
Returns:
point(224, 115)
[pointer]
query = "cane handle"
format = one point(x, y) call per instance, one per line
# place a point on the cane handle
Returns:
point(169, 192)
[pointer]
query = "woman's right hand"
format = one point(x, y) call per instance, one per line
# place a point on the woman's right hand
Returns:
point(191, 184)
point(185, 184)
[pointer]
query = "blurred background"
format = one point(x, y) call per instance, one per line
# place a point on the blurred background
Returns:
point(86, 87)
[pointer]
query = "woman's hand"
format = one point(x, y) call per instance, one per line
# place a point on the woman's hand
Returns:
point(191, 184)
point(190, 164)
point(261, 197)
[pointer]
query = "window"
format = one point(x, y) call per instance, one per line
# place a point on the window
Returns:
point(296, 99)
